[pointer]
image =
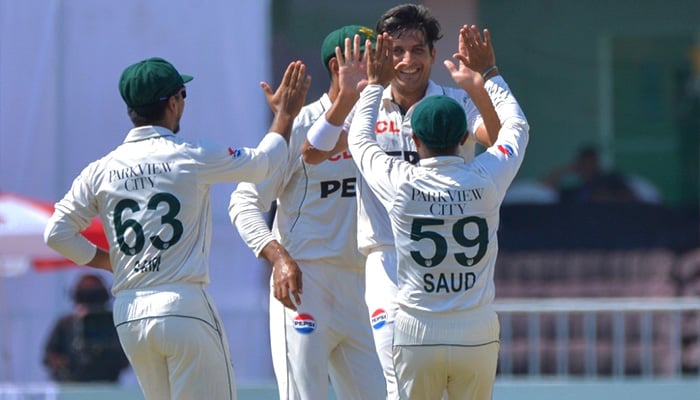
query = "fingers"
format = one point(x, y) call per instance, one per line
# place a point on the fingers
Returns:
point(357, 55)
point(487, 37)
point(288, 73)
point(296, 290)
point(307, 84)
point(450, 65)
point(266, 89)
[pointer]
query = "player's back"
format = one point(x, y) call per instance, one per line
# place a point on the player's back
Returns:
point(152, 192)
point(445, 220)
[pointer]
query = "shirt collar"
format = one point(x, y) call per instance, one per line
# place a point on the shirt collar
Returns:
point(433, 89)
point(326, 102)
point(440, 160)
point(147, 132)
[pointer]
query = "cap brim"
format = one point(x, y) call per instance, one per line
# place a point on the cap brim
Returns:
point(186, 78)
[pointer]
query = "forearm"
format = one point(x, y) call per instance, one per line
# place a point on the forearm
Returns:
point(282, 125)
point(65, 238)
point(101, 260)
point(248, 219)
point(274, 252)
point(492, 124)
point(326, 136)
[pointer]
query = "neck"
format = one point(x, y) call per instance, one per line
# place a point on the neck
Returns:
point(333, 91)
point(424, 152)
point(406, 100)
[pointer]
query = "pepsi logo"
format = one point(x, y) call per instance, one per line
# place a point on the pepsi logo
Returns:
point(378, 318)
point(304, 323)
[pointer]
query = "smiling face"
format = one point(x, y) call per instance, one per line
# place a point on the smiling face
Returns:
point(413, 61)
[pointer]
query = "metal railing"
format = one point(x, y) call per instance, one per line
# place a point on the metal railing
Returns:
point(594, 337)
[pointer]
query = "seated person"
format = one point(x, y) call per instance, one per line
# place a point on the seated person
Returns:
point(83, 346)
point(585, 181)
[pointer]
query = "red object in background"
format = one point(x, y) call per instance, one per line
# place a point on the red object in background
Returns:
point(22, 223)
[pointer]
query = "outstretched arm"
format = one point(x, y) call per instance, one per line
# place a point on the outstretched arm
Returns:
point(477, 62)
point(288, 99)
point(328, 135)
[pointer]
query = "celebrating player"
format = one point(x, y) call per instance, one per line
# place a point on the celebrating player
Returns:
point(152, 193)
point(324, 330)
point(414, 32)
point(444, 216)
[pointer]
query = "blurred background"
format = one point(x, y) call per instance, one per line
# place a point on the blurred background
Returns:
point(599, 270)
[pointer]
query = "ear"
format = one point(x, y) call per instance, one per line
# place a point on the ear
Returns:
point(433, 54)
point(417, 141)
point(464, 138)
point(333, 66)
point(172, 103)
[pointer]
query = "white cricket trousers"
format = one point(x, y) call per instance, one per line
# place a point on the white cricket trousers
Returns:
point(175, 342)
point(380, 296)
point(463, 372)
point(328, 336)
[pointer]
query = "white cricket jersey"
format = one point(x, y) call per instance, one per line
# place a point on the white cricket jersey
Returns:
point(314, 203)
point(444, 216)
point(152, 193)
point(393, 131)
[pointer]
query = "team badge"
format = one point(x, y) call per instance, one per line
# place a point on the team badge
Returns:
point(506, 150)
point(379, 318)
point(234, 153)
point(304, 323)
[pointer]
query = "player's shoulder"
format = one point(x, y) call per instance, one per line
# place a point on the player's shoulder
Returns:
point(311, 112)
point(460, 95)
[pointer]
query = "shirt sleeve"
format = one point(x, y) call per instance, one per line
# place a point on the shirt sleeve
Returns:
point(246, 212)
point(72, 214)
point(503, 159)
point(503, 100)
point(379, 170)
point(244, 164)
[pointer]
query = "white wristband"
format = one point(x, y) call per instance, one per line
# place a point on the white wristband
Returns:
point(324, 135)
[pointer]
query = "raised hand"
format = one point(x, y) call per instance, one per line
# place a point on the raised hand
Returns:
point(352, 70)
point(290, 96)
point(475, 56)
point(380, 62)
point(288, 99)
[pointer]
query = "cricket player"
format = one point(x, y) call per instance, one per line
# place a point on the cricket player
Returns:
point(152, 195)
point(444, 216)
point(325, 330)
point(414, 31)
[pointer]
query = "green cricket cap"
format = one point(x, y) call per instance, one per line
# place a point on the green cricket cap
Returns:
point(150, 81)
point(337, 38)
point(439, 122)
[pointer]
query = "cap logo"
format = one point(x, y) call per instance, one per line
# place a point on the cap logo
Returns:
point(367, 32)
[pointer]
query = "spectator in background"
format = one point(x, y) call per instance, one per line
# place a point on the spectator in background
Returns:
point(83, 346)
point(585, 181)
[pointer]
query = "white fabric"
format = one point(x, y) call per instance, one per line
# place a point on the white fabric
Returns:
point(313, 221)
point(313, 202)
point(152, 194)
point(61, 109)
point(156, 328)
point(325, 137)
point(441, 278)
point(447, 372)
point(393, 133)
point(381, 302)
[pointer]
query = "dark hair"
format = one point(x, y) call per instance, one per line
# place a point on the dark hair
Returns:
point(151, 114)
point(410, 17)
point(90, 288)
